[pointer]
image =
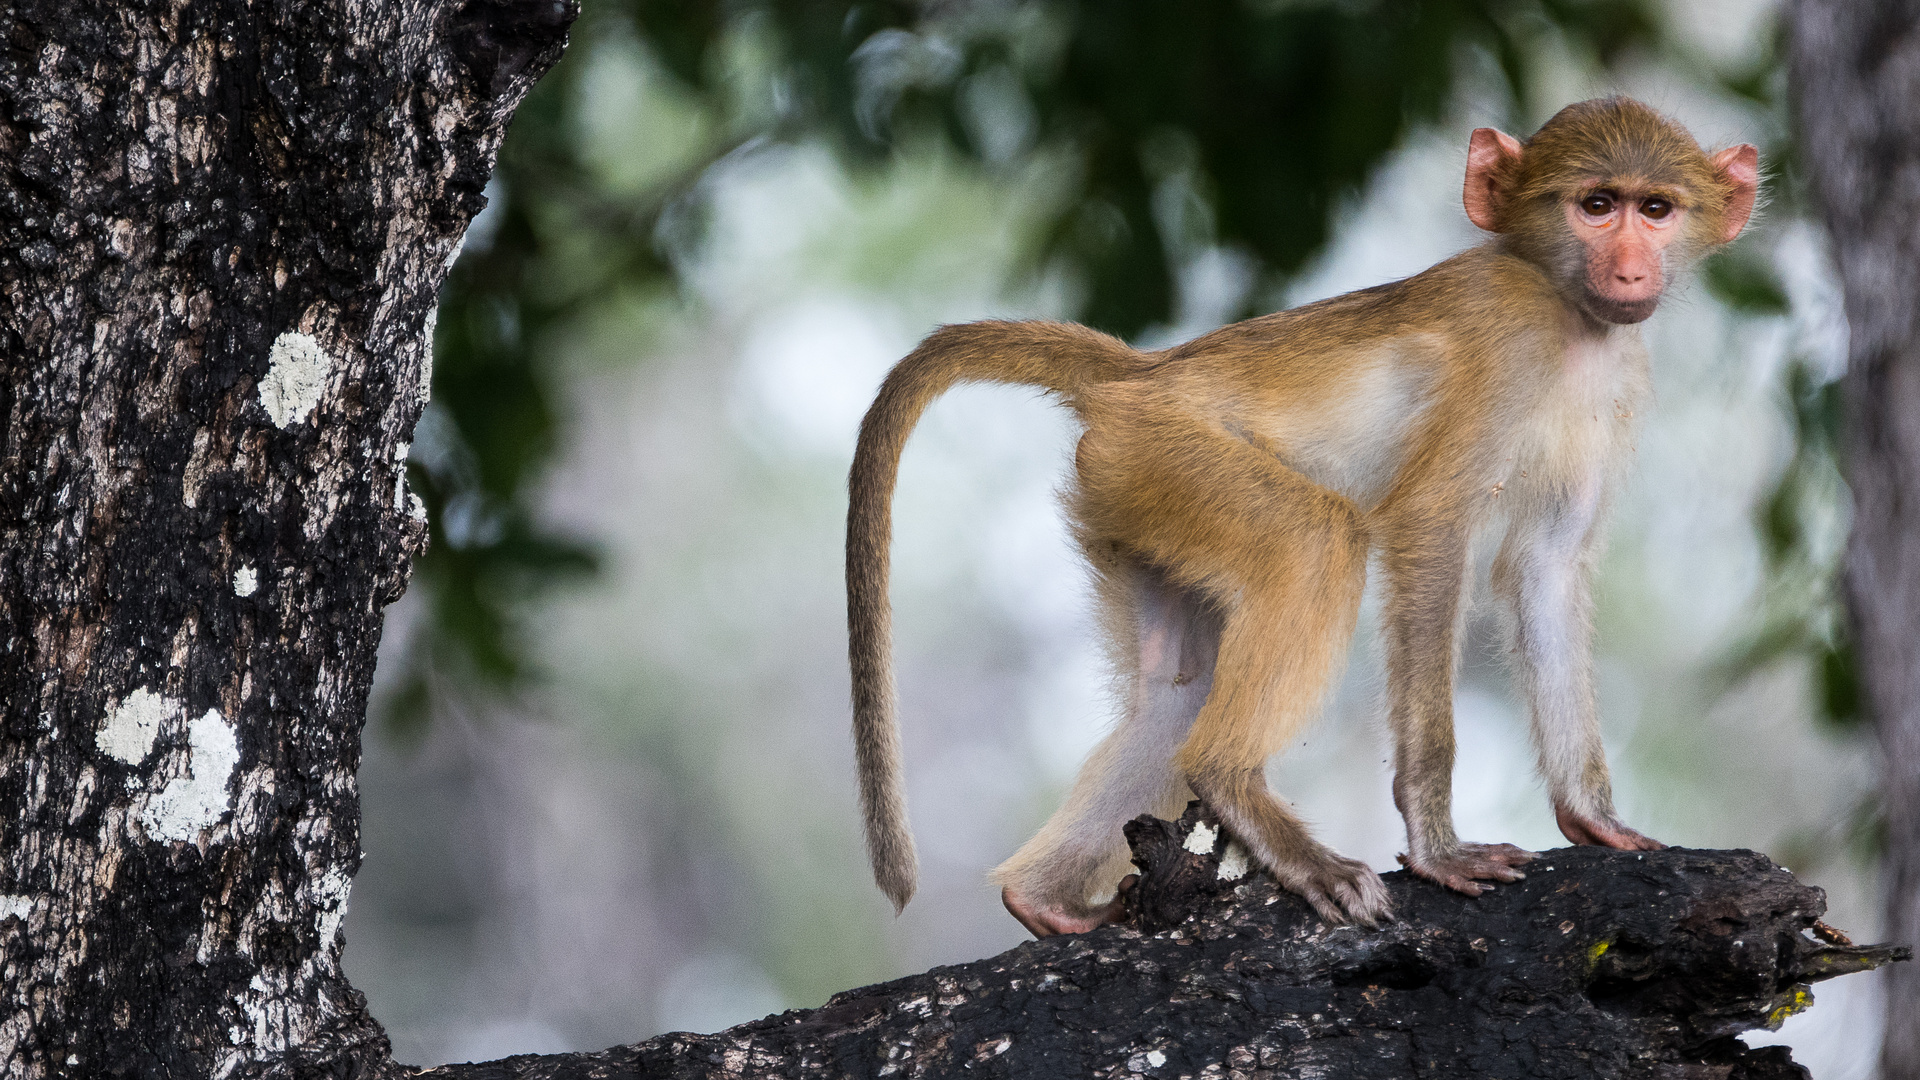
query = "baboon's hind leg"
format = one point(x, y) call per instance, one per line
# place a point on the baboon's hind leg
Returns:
point(1165, 639)
point(1285, 559)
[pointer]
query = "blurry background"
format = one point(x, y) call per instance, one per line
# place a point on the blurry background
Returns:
point(608, 790)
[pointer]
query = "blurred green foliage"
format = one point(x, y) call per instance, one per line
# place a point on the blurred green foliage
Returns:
point(1235, 123)
point(1801, 520)
point(1802, 614)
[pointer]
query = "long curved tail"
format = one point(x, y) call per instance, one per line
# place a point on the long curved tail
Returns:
point(1063, 358)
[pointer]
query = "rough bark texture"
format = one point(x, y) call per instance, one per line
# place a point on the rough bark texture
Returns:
point(1856, 81)
point(223, 224)
point(1601, 964)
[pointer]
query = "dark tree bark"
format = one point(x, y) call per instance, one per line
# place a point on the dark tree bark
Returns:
point(223, 224)
point(1856, 81)
point(1600, 965)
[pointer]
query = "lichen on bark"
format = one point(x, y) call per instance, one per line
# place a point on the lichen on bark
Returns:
point(223, 226)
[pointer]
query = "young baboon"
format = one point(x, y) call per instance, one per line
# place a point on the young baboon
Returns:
point(1229, 491)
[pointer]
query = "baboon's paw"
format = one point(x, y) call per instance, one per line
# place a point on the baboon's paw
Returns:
point(1469, 867)
point(1603, 830)
point(1340, 890)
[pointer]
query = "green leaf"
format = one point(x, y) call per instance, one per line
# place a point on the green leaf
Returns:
point(1745, 282)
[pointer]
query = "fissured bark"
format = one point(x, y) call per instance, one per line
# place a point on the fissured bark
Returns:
point(223, 225)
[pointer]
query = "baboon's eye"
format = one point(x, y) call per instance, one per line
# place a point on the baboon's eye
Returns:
point(1656, 208)
point(1598, 204)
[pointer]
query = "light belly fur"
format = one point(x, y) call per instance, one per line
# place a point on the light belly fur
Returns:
point(1355, 440)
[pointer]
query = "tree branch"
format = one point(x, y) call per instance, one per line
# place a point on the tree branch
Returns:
point(1601, 964)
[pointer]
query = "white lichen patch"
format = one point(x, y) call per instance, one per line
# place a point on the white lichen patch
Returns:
point(132, 725)
point(15, 907)
point(246, 581)
point(199, 799)
point(269, 1021)
point(400, 452)
point(1233, 862)
point(1142, 1062)
point(329, 894)
point(297, 371)
point(424, 391)
point(1201, 840)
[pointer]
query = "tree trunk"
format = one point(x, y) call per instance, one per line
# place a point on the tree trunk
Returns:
point(223, 224)
point(1856, 80)
point(1602, 965)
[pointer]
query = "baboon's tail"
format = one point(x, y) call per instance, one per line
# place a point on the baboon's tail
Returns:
point(1061, 357)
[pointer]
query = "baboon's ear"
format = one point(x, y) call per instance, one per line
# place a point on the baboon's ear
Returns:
point(1739, 166)
point(1490, 157)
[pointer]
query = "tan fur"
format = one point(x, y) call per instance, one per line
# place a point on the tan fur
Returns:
point(1229, 491)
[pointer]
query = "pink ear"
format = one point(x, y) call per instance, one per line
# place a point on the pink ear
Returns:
point(1740, 166)
point(1487, 154)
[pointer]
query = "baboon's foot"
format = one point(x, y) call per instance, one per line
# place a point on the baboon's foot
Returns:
point(1469, 867)
point(1046, 920)
point(1602, 831)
